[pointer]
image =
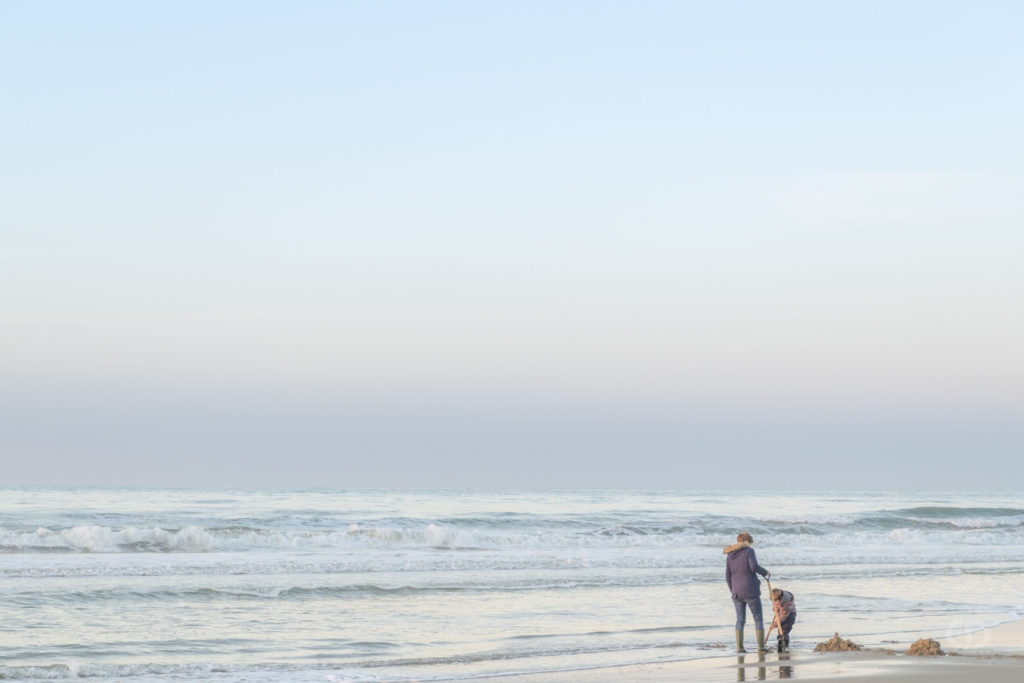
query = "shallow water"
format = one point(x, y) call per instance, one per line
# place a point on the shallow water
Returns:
point(275, 585)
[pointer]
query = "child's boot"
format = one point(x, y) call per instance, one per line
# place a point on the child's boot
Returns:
point(739, 640)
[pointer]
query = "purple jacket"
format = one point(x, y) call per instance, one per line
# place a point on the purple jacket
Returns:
point(741, 570)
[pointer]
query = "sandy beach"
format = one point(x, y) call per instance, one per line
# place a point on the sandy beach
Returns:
point(992, 655)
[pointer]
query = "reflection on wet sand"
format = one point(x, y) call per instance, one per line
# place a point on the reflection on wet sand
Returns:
point(784, 670)
point(741, 667)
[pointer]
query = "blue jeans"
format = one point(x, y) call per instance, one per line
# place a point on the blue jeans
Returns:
point(741, 612)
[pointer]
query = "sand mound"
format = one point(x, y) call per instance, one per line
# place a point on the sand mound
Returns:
point(926, 647)
point(836, 644)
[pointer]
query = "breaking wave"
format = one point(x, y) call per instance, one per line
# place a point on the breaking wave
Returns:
point(962, 526)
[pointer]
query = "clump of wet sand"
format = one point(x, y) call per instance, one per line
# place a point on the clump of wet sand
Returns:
point(836, 644)
point(925, 647)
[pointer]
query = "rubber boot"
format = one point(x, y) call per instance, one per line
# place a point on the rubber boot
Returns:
point(739, 640)
point(760, 640)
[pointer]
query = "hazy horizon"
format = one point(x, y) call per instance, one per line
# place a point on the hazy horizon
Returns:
point(545, 245)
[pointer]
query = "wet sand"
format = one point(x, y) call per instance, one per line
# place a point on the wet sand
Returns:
point(994, 655)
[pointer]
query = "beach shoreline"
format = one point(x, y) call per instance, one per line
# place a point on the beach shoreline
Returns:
point(994, 655)
point(307, 586)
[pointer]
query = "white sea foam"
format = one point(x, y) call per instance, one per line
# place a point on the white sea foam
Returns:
point(429, 535)
point(972, 522)
point(100, 539)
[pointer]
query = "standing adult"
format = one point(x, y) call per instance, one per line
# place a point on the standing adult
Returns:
point(741, 570)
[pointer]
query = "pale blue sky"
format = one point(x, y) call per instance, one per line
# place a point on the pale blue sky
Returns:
point(444, 243)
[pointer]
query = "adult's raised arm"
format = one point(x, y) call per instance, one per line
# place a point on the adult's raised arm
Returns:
point(754, 566)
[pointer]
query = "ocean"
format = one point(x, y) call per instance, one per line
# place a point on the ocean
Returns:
point(379, 585)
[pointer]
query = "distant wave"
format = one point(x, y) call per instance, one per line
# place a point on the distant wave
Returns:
point(959, 526)
point(94, 538)
point(355, 590)
point(961, 512)
point(552, 579)
point(904, 518)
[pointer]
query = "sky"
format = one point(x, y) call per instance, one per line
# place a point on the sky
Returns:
point(532, 244)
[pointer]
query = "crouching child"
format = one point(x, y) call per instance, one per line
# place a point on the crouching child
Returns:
point(785, 608)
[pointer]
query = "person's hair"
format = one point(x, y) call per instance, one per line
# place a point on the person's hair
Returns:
point(745, 538)
point(776, 594)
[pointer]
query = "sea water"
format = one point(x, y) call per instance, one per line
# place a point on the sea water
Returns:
point(368, 585)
